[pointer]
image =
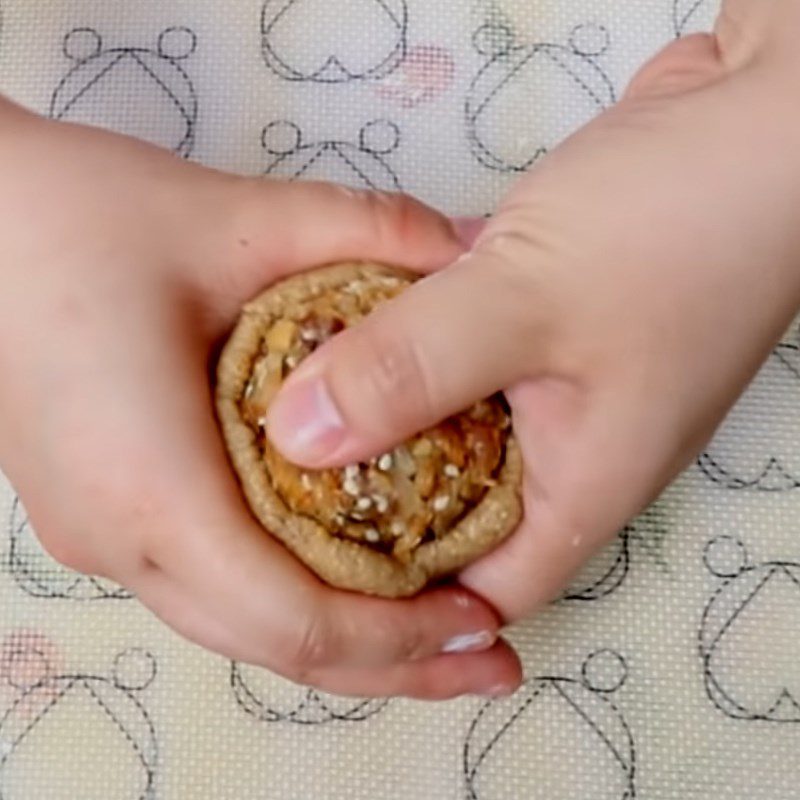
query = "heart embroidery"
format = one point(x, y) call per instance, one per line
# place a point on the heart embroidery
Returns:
point(117, 752)
point(515, 105)
point(323, 42)
point(133, 90)
point(756, 447)
point(269, 699)
point(750, 636)
point(525, 735)
point(426, 73)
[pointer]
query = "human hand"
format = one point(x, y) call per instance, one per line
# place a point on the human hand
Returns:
point(624, 295)
point(123, 269)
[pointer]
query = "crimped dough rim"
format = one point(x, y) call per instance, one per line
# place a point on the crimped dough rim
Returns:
point(341, 563)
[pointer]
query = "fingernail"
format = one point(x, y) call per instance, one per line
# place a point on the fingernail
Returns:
point(500, 690)
point(470, 642)
point(468, 229)
point(304, 422)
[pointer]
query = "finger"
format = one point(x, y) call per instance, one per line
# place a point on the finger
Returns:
point(293, 624)
point(575, 500)
point(448, 341)
point(239, 573)
point(280, 228)
point(495, 673)
point(491, 673)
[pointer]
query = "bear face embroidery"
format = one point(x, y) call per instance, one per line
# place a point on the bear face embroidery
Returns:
point(116, 753)
point(320, 42)
point(528, 733)
point(749, 636)
point(516, 109)
point(362, 165)
point(37, 574)
point(142, 92)
point(270, 699)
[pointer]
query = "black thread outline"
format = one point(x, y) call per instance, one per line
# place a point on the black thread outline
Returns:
point(65, 684)
point(342, 150)
point(558, 683)
point(722, 476)
point(614, 577)
point(286, 71)
point(312, 700)
point(555, 53)
point(26, 577)
point(140, 55)
point(707, 651)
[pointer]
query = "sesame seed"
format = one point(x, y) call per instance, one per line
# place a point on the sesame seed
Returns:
point(441, 502)
point(381, 503)
point(309, 335)
point(262, 422)
point(305, 480)
point(291, 361)
point(351, 487)
point(371, 535)
point(451, 470)
point(398, 528)
point(385, 462)
point(364, 504)
point(352, 471)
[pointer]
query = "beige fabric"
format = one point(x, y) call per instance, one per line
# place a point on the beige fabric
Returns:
point(696, 606)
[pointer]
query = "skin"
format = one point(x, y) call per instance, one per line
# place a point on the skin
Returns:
point(627, 291)
point(123, 270)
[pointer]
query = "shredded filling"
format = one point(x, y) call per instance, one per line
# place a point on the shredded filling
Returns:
point(400, 499)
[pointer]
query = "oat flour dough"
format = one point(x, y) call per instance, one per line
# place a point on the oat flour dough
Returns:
point(387, 527)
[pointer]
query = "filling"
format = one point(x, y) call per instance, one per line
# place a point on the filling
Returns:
point(400, 499)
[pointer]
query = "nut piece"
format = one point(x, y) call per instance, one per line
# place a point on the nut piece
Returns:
point(281, 335)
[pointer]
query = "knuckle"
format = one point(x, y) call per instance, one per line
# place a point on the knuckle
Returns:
point(67, 550)
point(412, 645)
point(392, 215)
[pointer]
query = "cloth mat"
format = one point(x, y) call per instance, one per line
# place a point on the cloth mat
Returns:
point(671, 668)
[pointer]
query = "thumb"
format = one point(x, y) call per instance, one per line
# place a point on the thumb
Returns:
point(448, 341)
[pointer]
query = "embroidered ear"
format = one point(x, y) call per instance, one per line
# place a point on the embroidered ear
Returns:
point(379, 137)
point(81, 44)
point(281, 138)
point(177, 43)
point(134, 670)
point(590, 40)
point(726, 557)
point(494, 40)
point(604, 671)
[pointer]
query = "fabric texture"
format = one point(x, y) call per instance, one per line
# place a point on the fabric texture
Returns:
point(671, 668)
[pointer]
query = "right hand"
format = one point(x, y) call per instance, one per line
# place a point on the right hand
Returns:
point(623, 296)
